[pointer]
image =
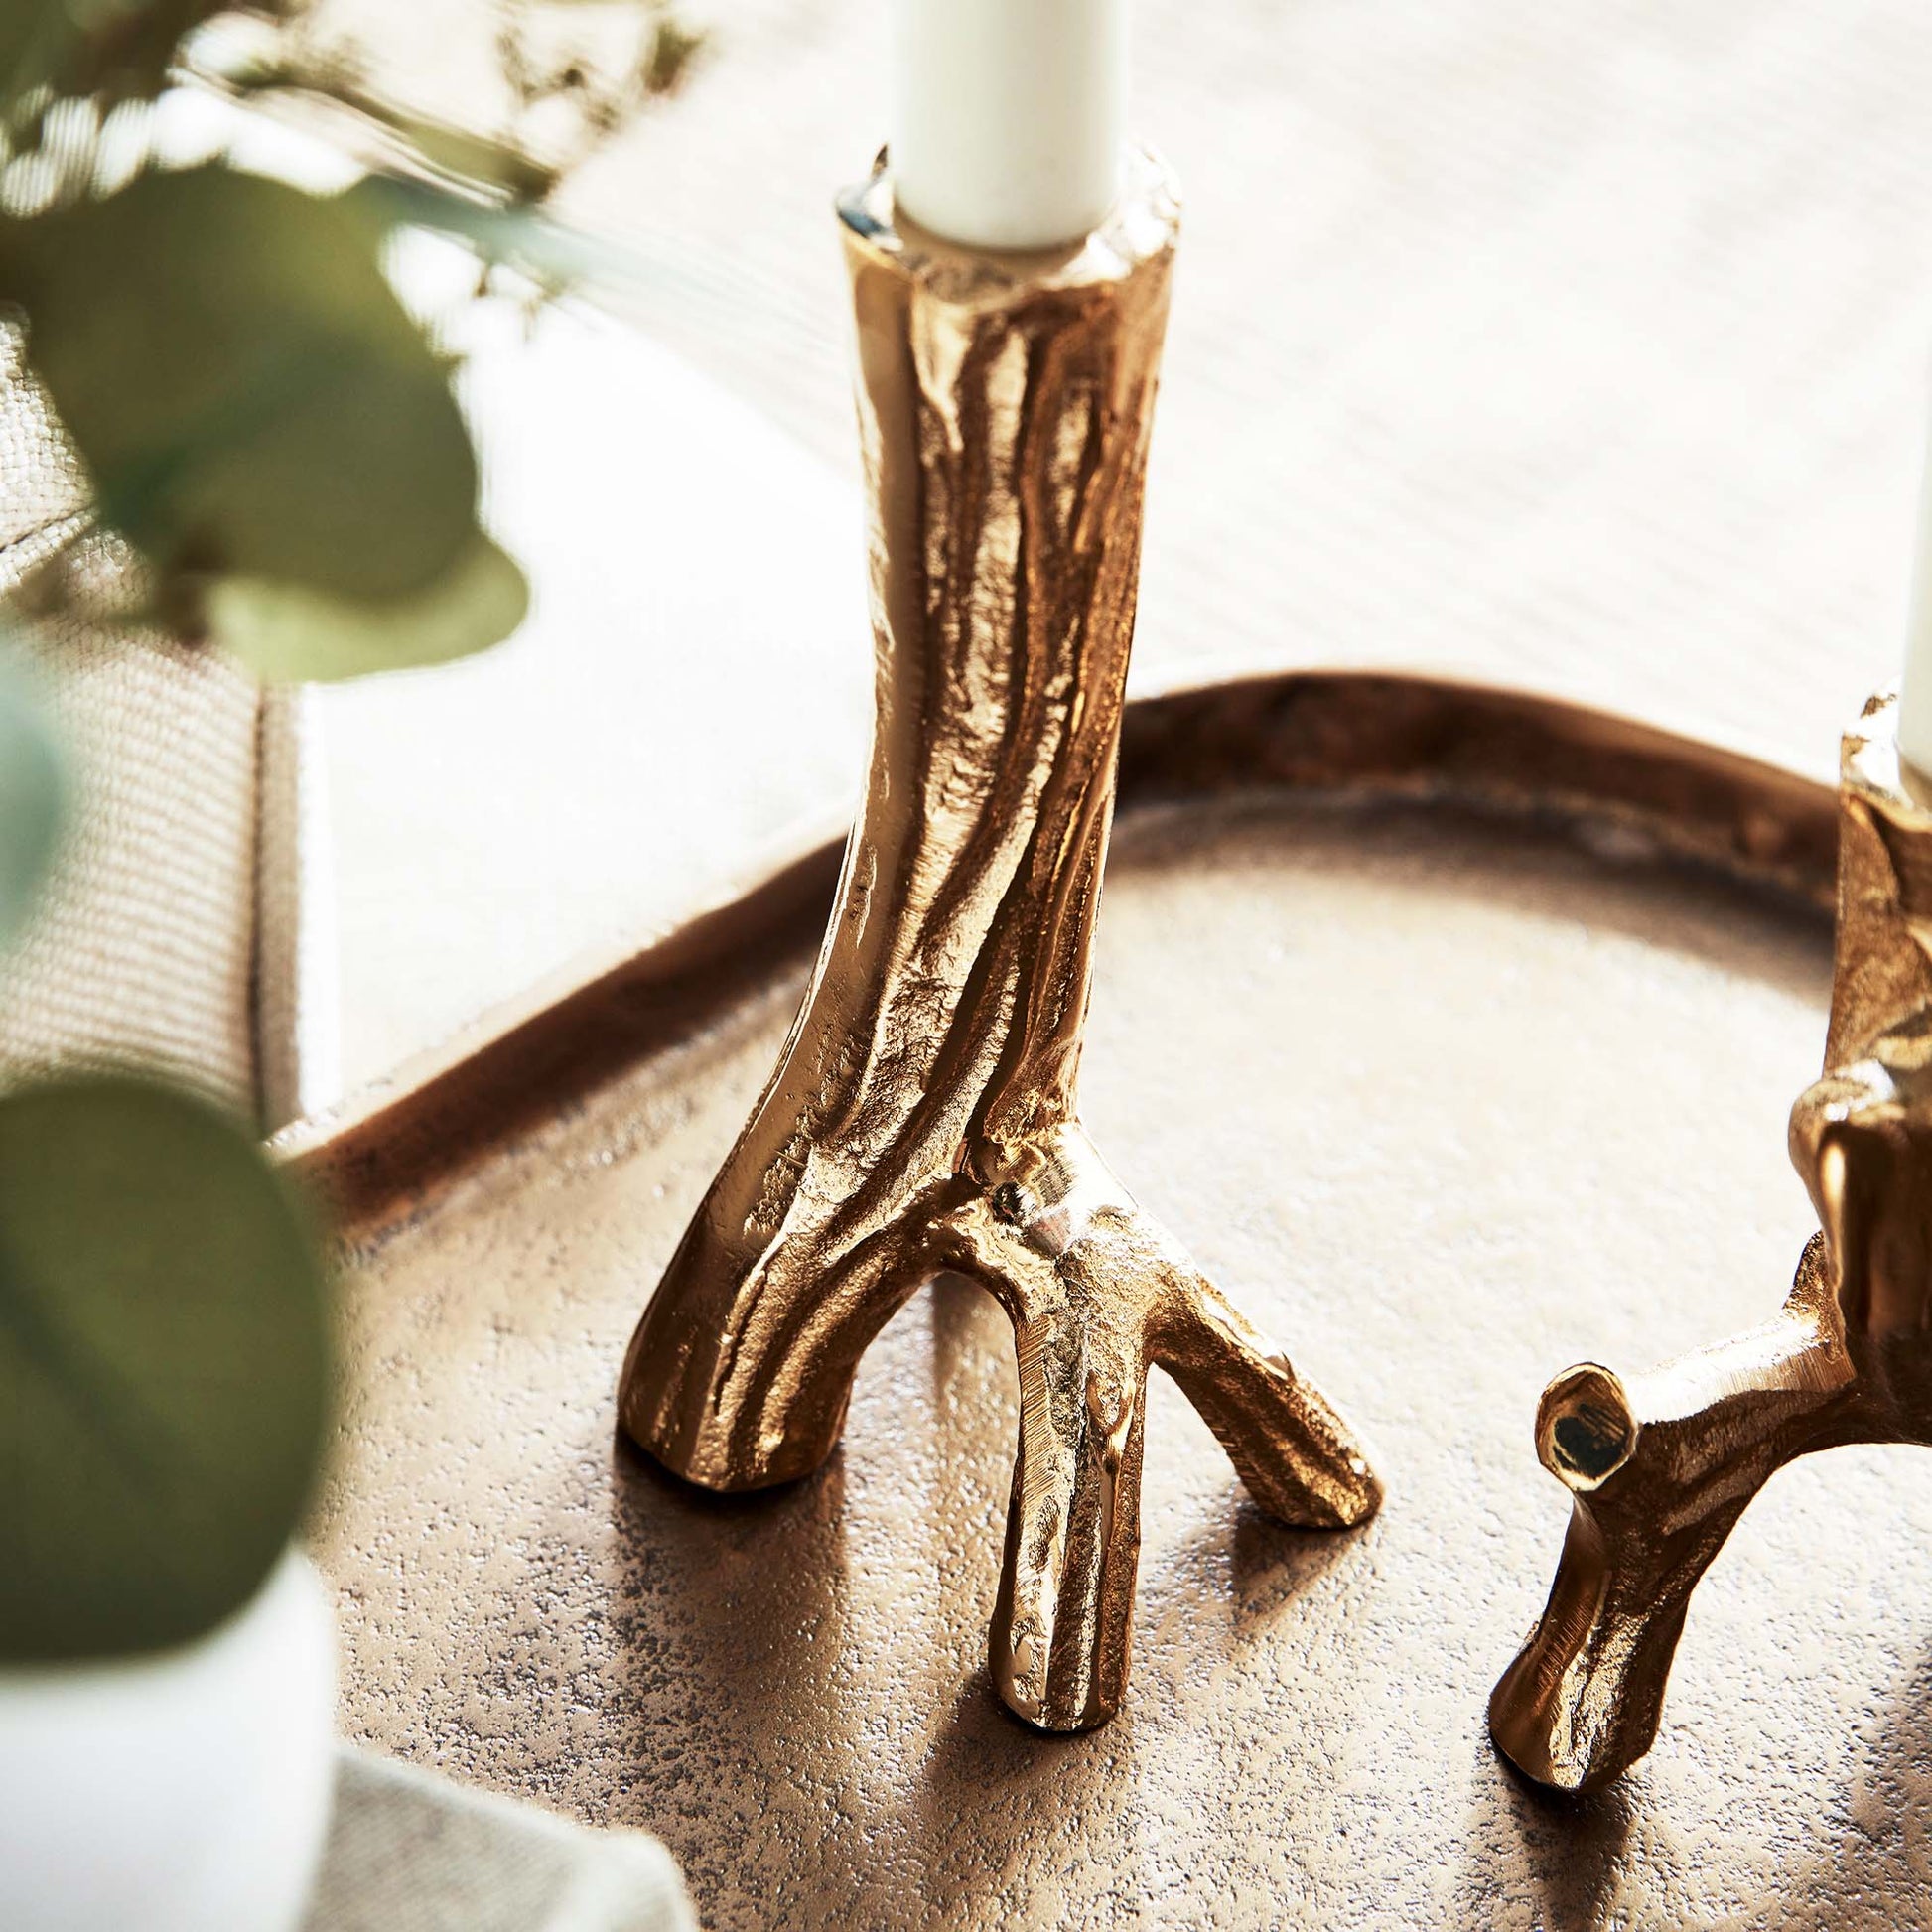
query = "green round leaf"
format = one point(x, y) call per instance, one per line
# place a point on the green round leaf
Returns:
point(33, 792)
point(286, 633)
point(164, 1368)
point(250, 396)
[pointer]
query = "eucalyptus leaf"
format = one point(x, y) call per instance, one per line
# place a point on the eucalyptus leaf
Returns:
point(33, 793)
point(164, 1368)
point(284, 632)
point(250, 396)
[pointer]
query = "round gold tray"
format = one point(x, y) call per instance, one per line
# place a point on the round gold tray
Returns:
point(1454, 1031)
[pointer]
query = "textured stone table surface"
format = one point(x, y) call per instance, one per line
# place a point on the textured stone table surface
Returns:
point(1446, 1107)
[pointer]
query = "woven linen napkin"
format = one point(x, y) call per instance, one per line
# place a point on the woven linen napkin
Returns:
point(185, 930)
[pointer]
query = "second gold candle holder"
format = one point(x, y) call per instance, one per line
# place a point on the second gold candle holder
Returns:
point(1661, 1467)
point(923, 1114)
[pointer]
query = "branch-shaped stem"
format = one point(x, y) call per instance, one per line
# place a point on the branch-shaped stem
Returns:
point(923, 1113)
point(1659, 1469)
point(1005, 414)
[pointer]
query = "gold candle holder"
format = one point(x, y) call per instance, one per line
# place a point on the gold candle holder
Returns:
point(1661, 1467)
point(922, 1116)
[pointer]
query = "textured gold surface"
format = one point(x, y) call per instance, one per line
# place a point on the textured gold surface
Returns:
point(923, 1114)
point(1661, 1467)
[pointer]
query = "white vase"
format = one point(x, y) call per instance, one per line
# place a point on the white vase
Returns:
point(183, 1792)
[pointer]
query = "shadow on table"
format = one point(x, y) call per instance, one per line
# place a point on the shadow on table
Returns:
point(1597, 1862)
point(729, 1633)
point(1878, 1871)
point(763, 1575)
point(1574, 1852)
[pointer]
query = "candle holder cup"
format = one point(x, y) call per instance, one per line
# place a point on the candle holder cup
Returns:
point(923, 1114)
point(1661, 1467)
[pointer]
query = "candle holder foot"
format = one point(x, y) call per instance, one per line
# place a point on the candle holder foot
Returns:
point(1661, 1467)
point(924, 1114)
point(1097, 1292)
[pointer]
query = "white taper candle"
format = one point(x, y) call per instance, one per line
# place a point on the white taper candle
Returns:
point(1006, 122)
point(1916, 688)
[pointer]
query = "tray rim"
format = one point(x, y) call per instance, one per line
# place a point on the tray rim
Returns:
point(1366, 736)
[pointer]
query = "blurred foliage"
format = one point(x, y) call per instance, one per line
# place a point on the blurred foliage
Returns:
point(567, 83)
point(260, 417)
point(275, 437)
point(32, 792)
point(164, 1368)
point(251, 398)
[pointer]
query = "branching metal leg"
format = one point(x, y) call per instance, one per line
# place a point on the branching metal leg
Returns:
point(923, 1114)
point(1661, 1467)
point(1096, 1290)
